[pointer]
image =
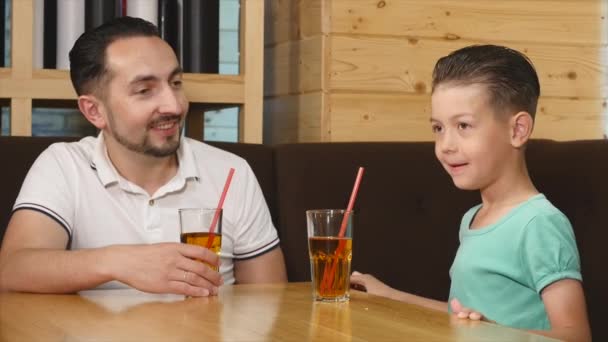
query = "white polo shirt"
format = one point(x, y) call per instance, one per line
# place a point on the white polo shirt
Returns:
point(76, 185)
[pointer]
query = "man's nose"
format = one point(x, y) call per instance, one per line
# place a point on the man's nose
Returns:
point(171, 101)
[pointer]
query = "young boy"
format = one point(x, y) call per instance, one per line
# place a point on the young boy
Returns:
point(517, 263)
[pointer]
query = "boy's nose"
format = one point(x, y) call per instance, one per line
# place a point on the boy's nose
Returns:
point(447, 143)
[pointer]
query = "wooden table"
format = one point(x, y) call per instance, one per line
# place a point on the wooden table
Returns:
point(239, 313)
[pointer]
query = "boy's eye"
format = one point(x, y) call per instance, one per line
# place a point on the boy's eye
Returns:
point(436, 128)
point(142, 91)
point(463, 125)
point(177, 83)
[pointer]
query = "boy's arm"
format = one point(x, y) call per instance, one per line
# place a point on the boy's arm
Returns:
point(376, 287)
point(565, 305)
point(33, 259)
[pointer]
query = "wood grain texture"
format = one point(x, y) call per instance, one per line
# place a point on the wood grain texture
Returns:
point(21, 117)
point(374, 52)
point(293, 67)
point(239, 313)
point(293, 118)
point(252, 67)
point(568, 22)
point(289, 20)
point(405, 117)
point(397, 64)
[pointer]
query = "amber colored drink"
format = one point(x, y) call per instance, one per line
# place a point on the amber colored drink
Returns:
point(200, 239)
point(322, 251)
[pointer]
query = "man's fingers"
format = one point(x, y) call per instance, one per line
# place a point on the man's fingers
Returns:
point(199, 253)
point(180, 287)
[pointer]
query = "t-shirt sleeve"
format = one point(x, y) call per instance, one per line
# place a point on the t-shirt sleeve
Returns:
point(46, 189)
point(255, 232)
point(549, 250)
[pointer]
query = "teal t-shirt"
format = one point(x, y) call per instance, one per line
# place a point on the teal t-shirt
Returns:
point(500, 270)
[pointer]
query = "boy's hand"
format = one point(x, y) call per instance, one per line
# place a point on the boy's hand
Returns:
point(369, 283)
point(467, 313)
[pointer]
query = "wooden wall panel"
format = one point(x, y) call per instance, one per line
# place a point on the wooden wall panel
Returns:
point(570, 119)
point(397, 64)
point(405, 117)
point(293, 67)
point(372, 62)
point(577, 22)
point(293, 118)
point(289, 20)
point(380, 117)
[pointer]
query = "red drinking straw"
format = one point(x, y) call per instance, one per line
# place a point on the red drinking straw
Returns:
point(220, 205)
point(328, 274)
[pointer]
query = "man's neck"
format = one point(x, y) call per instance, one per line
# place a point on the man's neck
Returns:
point(148, 172)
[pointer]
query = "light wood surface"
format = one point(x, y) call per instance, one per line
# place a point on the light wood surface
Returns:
point(21, 83)
point(239, 313)
point(395, 64)
point(251, 114)
point(363, 52)
point(550, 21)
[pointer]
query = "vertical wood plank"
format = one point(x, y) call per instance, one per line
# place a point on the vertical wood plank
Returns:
point(21, 63)
point(326, 52)
point(22, 22)
point(21, 117)
point(252, 67)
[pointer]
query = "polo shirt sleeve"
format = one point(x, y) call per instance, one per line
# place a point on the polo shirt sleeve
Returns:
point(549, 250)
point(46, 188)
point(255, 232)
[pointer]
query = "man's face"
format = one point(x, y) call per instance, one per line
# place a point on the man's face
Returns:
point(144, 104)
point(471, 142)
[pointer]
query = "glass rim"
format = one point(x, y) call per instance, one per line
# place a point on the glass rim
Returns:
point(328, 211)
point(197, 209)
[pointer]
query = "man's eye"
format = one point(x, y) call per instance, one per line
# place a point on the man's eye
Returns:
point(177, 83)
point(463, 125)
point(142, 91)
point(436, 128)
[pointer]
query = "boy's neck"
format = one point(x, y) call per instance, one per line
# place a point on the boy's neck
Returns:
point(512, 189)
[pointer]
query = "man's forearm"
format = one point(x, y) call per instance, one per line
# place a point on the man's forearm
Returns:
point(54, 271)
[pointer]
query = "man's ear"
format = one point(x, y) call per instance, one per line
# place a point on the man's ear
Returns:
point(93, 110)
point(522, 125)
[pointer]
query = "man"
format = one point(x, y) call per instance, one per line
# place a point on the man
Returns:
point(102, 212)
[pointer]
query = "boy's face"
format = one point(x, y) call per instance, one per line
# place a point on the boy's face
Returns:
point(471, 141)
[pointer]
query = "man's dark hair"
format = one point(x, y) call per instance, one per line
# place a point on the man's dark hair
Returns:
point(508, 75)
point(88, 55)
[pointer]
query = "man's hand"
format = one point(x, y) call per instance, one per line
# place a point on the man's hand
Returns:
point(165, 268)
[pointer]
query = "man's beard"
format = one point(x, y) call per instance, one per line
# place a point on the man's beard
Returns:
point(144, 146)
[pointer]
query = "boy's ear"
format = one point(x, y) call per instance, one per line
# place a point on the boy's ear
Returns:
point(522, 125)
point(93, 110)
